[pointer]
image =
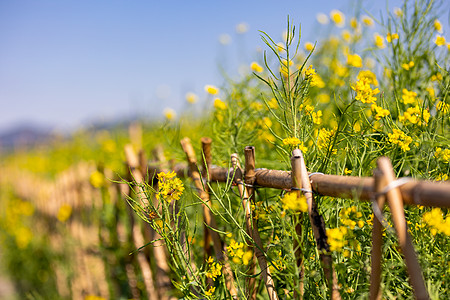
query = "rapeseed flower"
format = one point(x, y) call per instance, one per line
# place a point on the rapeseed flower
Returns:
point(170, 114)
point(211, 291)
point(309, 46)
point(291, 201)
point(391, 36)
point(440, 40)
point(191, 97)
point(443, 107)
point(443, 155)
point(316, 117)
point(354, 60)
point(64, 213)
point(379, 111)
point(238, 253)
point(437, 26)
point(368, 21)
point(314, 78)
point(214, 269)
point(353, 23)
point(379, 41)
point(169, 186)
point(414, 115)
point(398, 12)
point(336, 238)
point(364, 92)
point(369, 75)
point(273, 104)
point(408, 97)
point(435, 220)
point(337, 17)
point(436, 77)
point(97, 179)
point(212, 90)
point(442, 177)
point(256, 67)
point(408, 66)
point(322, 18)
point(219, 104)
point(399, 138)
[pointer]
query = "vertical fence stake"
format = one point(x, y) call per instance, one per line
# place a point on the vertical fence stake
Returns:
point(206, 163)
point(317, 222)
point(252, 231)
point(377, 239)
point(208, 216)
point(395, 202)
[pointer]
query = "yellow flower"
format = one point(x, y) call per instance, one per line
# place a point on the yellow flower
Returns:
point(191, 97)
point(211, 291)
point(64, 213)
point(437, 223)
point(210, 89)
point(97, 179)
point(408, 97)
point(398, 137)
point(293, 143)
point(436, 77)
point(398, 12)
point(371, 77)
point(442, 177)
point(443, 155)
point(266, 121)
point(364, 92)
point(309, 46)
point(379, 41)
point(347, 171)
point(280, 47)
point(315, 79)
point(414, 115)
point(346, 36)
point(336, 238)
point(408, 66)
point(214, 269)
point(169, 186)
point(170, 114)
point(317, 117)
point(437, 26)
point(256, 67)
point(353, 23)
point(337, 17)
point(219, 104)
point(440, 41)
point(379, 111)
point(391, 36)
point(273, 104)
point(368, 21)
point(256, 106)
point(292, 201)
point(354, 60)
point(443, 107)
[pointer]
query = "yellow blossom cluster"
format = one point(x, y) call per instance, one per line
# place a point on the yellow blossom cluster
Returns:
point(391, 36)
point(436, 221)
point(254, 66)
point(324, 138)
point(348, 216)
point(238, 254)
point(214, 269)
point(212, 90)
point(369, 75)
point(277, 264)
point(398, 137)
point(443, 155)
point(313, 77)
point(354, 60)
point(219, 104)
point(97, 179)
point(379, 112)
point(408, 97)
point(408, 66)
point(292, 201)
point(191, 97)
point(443, 107)
point(442, 177)
point(336, 238)
point(210, 291)
point(438, 26)
point(170, 114)
point(364, 92)
point(379, 41)
point(414, 115)
point(64, 213)
point(440, 40)
point(169, 186)
point(293, 143)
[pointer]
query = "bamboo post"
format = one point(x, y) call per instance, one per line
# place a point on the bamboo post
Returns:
point(208, 217)
point(138, 239)
point(206, 162)
point(375, 276)
point(395, 202)
point(251, 280)
point(249, 153)
point(317, 222)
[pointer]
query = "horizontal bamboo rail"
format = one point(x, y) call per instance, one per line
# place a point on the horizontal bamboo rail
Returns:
point(413, 192)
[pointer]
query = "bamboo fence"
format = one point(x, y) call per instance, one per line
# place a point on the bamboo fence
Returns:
point(147, 272)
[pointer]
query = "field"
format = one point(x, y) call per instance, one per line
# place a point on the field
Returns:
point(90, 216)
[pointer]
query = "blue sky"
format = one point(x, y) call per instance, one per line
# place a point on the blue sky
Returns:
point(68, 63)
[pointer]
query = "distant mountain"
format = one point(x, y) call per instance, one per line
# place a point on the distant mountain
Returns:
point(24, 135)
